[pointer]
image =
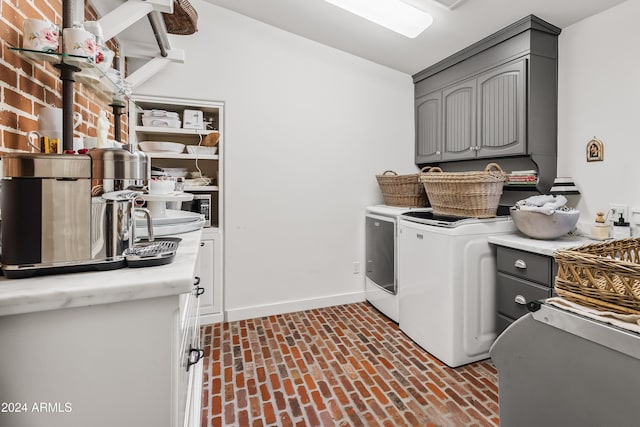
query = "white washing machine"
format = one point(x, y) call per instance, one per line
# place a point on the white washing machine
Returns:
point(381, 284)
point(446, 284)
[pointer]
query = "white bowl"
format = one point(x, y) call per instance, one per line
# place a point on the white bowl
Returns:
point(161, 147)
point(161, 186)
point(544, 227)
point(201, 150)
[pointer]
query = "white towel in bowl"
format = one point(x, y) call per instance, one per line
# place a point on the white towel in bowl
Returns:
point(545, 204)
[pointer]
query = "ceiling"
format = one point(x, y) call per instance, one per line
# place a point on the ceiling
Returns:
point(452, 30)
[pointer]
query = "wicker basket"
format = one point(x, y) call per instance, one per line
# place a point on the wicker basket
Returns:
point(601, 275)
point(183, 20)
point(465, 194)
point(402, 190)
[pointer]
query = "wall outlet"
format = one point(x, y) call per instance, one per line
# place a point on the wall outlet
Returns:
point(356, 267)
point(616, 209)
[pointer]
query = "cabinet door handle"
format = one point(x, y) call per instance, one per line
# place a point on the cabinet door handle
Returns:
point(197, 281)
point(199, 291)
point(195, 354)
point(520, 264)
point(201, 244)
point(472, 148)
point(438, 153)
point(520, 300)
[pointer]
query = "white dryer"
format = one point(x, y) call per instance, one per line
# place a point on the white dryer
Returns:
point(381, 283)
point(446, 284)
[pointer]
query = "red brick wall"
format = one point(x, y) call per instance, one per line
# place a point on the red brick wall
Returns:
point(26, 85)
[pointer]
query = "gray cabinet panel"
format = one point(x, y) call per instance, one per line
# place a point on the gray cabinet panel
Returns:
point(514, 293)
point(502, 323)
point(501, 110)
point(526, 265)
point(459, 118)
point(428, 124)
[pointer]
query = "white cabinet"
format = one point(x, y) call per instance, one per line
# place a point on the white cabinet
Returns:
point(205, 179)
point(209, 270)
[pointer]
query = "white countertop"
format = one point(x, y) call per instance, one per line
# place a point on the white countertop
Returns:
point(542, 247)
point(102, 287)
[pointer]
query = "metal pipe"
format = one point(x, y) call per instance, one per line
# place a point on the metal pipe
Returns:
point(156, 34)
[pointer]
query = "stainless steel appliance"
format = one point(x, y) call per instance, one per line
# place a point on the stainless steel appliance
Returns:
point(201, 204)
point(52, 224)
point(446, 283)
point(557, 369)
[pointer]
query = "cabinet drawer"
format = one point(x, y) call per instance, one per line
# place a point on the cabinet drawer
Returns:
point(502, 323)
point(511, 288)
point(527, 265)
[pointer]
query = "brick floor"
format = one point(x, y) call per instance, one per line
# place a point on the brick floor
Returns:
point(346, 365)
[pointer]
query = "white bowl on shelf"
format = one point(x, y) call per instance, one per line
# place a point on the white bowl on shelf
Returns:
point(201, 150)
point(161, 147)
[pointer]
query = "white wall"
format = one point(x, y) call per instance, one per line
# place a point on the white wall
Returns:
point(599, 93)
point(307, 128)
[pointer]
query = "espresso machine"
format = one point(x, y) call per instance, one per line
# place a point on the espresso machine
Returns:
point(63, 213)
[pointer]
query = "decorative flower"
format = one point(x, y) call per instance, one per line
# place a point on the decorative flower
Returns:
point(99, 57)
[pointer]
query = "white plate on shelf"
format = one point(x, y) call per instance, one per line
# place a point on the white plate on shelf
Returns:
point(173, 217)
point(161, 146)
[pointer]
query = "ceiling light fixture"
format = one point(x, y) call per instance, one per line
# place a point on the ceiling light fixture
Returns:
point(392, 14)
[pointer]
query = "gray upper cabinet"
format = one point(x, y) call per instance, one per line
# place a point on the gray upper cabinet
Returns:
point(428, 127)
point(459, 121)
point(501, 111)
point(494, 99)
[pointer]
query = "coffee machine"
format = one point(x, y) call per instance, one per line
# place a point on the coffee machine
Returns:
point(63, 213)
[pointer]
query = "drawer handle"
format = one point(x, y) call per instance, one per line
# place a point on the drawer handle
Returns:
point(520, 300)
point(419, 236)
point(195, 355)
point(520, 264)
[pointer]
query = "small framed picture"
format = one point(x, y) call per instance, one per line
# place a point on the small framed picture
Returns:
point(595, 150)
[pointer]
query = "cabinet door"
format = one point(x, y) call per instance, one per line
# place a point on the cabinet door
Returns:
point(205, 270)
point(428, 128)
point(501, 110)
point(459, 121)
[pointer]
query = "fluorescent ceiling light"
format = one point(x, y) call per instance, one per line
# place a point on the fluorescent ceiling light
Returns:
point(392, 14)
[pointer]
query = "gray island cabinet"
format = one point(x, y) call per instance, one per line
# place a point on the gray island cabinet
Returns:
point(495, 99)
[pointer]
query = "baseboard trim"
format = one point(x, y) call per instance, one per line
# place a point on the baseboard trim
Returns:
point(208, 319)
point(244, 313)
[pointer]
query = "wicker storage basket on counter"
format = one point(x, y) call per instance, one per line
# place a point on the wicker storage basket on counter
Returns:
point(465, 194)
point(402, 190)
point(601, 275)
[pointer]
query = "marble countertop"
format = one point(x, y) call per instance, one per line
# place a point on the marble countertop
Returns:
point(542, 247)
point(101, 287)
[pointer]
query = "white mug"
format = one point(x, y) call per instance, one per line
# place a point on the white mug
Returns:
point(77, 143)
point(77, 41)
point(40, 34)
point(50, 119)
point(104, 58)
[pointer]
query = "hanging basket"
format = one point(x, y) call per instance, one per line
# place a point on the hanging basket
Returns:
point(184, 19)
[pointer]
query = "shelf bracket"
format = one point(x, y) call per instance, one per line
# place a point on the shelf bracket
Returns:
point(152, 67)
point(125, 15)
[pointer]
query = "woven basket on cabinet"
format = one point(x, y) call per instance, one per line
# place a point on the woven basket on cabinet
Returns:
point(602, 275)
point(465, 194)
point(402, 190)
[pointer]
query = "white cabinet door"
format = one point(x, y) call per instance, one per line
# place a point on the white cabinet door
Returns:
point(209, 269)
